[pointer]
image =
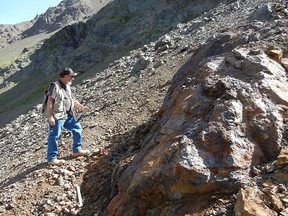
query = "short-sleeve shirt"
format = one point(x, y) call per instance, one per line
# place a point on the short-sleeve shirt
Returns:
point(67, 99)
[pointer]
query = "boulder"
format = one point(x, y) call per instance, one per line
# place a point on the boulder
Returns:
point(250, 203)
point(217, 122)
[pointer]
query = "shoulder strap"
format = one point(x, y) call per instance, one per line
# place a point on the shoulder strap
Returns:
point(45, 100)
point(56, 84)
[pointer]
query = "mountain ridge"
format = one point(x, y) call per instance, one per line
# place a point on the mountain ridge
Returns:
point(55, 18)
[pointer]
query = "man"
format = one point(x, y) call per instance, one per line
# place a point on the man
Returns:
point(60, 107)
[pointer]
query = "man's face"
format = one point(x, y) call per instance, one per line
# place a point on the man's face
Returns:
point(71, 78)
point(67, 79)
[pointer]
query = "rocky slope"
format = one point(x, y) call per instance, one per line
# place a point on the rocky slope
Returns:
point(120, 27)
point(220, 128)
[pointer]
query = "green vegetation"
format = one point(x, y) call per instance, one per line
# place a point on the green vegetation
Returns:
point(124, 20)
point(28, 53)
point(153, 31)
point(120, 7)
point(11, 99)
point(5, 63)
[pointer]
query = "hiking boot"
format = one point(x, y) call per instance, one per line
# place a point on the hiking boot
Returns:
point(81, 153)
point(56, 162)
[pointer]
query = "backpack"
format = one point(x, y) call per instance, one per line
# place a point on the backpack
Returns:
point(45, 98)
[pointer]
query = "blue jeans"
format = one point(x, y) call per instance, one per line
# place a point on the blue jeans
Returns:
point(55, 131)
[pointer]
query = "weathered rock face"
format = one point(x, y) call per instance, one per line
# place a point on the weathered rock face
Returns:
point(250, 202)
point(223, 114)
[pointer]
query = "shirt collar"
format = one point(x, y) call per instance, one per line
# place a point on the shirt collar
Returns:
point(62, 85)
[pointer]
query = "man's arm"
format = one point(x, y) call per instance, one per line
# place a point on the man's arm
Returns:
point(51, 118)
point(80, 106)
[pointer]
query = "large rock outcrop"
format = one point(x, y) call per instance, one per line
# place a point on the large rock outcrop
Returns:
point(224, 114)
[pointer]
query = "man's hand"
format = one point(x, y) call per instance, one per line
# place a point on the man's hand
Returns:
point(51, 121)
point(51, 118)
point(85, 109)
point(80, 106)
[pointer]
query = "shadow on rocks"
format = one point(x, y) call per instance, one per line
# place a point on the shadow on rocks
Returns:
point(22, 175)
point(100, 181)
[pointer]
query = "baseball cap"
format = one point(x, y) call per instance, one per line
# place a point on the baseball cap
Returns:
point(68, 71)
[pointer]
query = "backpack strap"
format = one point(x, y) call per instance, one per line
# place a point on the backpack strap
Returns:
point(45, 100)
